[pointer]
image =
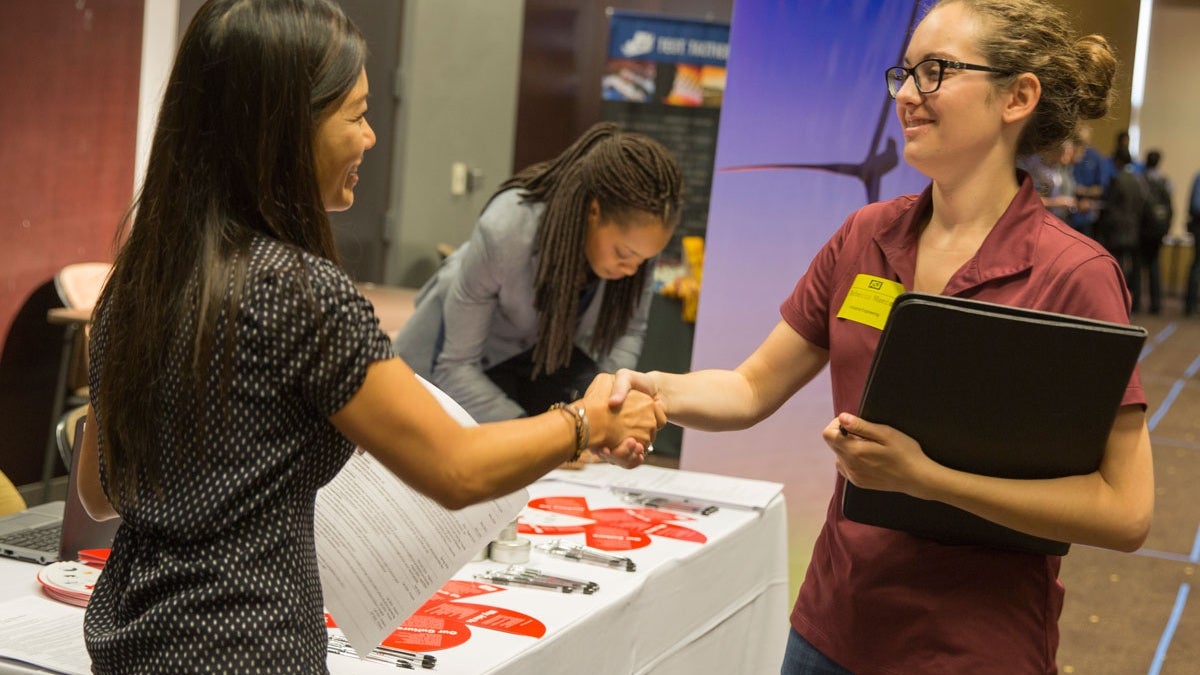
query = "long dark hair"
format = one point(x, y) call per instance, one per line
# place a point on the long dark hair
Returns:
point(231, 159)
point(624, 172)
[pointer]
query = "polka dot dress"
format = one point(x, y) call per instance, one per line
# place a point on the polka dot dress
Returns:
point(218, 573)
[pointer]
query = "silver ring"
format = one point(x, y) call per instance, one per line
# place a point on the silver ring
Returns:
point(649, 448)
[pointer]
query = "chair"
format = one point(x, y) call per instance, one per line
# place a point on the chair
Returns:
point(11, 500)
point(64, 432)
point(78, 286)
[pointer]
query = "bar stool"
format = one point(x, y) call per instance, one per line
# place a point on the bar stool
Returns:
point(78, 286)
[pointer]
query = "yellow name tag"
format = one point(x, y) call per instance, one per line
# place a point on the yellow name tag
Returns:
point(870, 300)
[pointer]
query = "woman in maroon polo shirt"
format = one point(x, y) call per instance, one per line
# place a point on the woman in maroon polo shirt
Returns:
point(983, 83)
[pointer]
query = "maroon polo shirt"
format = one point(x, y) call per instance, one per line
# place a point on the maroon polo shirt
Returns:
point(882, 601)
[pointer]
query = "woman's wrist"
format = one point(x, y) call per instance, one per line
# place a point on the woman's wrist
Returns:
point(580, 425)
point(599, 417)
point(658, 384)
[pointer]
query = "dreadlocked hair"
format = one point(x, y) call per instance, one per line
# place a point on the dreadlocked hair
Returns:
point(625, 173)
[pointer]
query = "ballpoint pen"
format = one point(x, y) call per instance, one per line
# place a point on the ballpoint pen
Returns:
point(502, 579)
point(588, 587)
point(515, 575)
point(569, 551)
point(347, 650)
point(423, 660)
point(670, 504)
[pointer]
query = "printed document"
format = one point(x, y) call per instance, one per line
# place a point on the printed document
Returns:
point(730, 491)
point(383, 548)
point(43, 632)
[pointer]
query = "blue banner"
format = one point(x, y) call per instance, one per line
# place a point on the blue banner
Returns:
point(652, 38)
point(665, 77)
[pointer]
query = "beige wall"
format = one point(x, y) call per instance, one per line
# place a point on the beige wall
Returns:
point(1117, 21)
point(1170, 111)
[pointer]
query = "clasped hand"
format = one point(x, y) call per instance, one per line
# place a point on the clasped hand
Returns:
point(631, 425)
point(876, 456)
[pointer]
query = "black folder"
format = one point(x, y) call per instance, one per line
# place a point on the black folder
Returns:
point(993, 390)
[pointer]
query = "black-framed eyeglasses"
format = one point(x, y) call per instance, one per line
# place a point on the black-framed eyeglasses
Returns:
point(927, 74)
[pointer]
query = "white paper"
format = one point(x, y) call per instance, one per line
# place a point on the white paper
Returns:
point(44, 633)
point(662, 482)
point(383, 548)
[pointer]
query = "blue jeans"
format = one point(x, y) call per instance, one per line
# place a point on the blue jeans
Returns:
point(802, 658)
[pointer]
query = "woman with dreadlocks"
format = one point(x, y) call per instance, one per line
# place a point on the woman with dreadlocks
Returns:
point(553, 285)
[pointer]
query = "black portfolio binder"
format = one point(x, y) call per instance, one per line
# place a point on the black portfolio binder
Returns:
point(993, 390)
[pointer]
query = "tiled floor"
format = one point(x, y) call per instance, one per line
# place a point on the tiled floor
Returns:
point(1140, 613)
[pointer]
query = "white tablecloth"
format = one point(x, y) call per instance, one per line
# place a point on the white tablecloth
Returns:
point(720, 605)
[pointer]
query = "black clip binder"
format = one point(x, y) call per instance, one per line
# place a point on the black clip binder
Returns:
point(993, 390)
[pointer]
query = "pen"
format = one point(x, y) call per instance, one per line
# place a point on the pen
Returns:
point(584, 554)
point(347, 650)
point(503, 580)
point(516, 575)
point(681, 504)
point(426, 660)
point(684, 505)
point(588, 587)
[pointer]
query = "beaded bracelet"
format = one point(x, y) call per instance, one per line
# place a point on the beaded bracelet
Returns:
point(583, 431)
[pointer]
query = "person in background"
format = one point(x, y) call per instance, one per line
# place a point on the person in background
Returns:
point(983, 82)
point(234, 366)
point(554, 284)
point(1155, 223)
point(1122, 154)
point(1191, 298)
point(1120, 223)
point(1053, 177)
point(1093, 171)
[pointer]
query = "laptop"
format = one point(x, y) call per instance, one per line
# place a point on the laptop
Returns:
point(56, 530)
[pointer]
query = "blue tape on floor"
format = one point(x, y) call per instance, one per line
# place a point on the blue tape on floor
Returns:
point(1164, 642)
point(1161, 555)
point(1157, 340)
point(1191, 370)
point(1166, 404)
point(1175, 388)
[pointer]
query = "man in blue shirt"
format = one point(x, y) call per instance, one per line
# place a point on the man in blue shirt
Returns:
point(1093, 172)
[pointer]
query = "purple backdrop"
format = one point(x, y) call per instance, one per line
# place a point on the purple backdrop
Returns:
point(807, 135)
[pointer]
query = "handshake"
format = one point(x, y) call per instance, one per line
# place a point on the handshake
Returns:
point(624, 413)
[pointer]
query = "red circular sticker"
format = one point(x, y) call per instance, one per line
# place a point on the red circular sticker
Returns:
point(425, 633)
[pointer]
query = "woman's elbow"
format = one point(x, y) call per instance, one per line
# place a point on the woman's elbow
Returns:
point(1134, 534)
point(1129, 532)
point(453, 499)
point(456, 492)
